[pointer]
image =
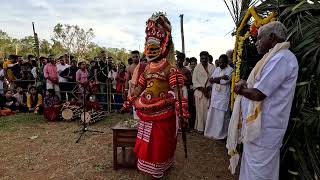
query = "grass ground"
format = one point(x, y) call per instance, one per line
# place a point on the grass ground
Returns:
point(32, 148)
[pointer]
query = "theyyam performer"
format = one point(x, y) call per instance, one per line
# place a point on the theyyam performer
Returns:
point(155, 105)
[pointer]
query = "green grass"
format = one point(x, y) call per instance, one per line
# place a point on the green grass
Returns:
point(27, 119)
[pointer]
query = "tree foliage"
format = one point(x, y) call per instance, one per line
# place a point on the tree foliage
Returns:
point(74, 39)
point(66, 39)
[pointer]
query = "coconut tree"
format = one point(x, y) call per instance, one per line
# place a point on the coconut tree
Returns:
point(300, 153)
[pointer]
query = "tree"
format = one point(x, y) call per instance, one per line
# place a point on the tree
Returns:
point(45, 47)
point(57, 49)
point(26, 46)
point(5, 44)
point(73, 38)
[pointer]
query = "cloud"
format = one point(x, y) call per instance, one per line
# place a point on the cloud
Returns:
point(121, 23)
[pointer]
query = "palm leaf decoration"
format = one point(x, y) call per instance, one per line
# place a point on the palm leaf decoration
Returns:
point(300, 154)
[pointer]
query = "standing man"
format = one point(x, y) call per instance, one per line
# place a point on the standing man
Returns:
point(217, 119)
point(188, 83)
point(8, 68)
point(70, 75)
point(51, 75)
point(43, 62)
point(63, 82)
point(135, 56)
point(201, 85)
point(266, 100)
point(229, 53)
point(210, 61)
point(101, 75)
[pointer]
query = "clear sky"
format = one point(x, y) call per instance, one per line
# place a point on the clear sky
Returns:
point(121, 23)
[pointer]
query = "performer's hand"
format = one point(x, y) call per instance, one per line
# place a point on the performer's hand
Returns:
point(122, 110)
point(211, 80)
point(225, 77)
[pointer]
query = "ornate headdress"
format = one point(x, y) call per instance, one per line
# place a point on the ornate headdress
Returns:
point(158, 42)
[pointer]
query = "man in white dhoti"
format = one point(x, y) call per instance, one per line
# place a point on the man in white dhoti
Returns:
point(201, 85)
point(217, 120)
point(265, 101)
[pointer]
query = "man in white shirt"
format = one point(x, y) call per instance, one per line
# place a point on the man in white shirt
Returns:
point(200, 79)
point(63, 82)
point(274, 87)
point(217, 120)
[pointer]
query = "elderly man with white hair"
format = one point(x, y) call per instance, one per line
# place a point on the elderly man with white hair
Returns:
point(265, 101)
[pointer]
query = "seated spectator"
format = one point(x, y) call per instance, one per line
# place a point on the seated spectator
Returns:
point(51, 105)
point(34, 101)
point(21, 99)
point(8, 101)
point(51, 99)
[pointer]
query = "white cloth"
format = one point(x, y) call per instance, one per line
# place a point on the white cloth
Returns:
point(1, 81)
point(277, 81)
point(34, 72)
point(259, 163)
point(113, 75)
point(216, 124)
point(200, 79)
point(61, 68)
point(55, 87)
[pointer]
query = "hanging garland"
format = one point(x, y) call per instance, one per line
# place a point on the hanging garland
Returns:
point(237, 53)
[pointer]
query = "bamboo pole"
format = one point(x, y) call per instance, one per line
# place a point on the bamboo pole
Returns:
point(182, 33)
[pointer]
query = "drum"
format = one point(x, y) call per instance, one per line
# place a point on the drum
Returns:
point(70, 112)
point(92, 116)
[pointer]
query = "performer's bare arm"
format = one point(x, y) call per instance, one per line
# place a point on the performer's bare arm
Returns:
point(137, 91)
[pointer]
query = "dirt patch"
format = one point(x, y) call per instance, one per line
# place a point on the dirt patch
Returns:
point(53, 154)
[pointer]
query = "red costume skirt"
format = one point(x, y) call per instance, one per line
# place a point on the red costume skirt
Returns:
point(156, 144)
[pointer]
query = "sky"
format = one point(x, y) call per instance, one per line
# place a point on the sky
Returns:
point(121, 23)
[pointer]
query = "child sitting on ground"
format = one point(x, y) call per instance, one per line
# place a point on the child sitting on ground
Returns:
point(34, 101)
point(8, 103)
point(21, 99)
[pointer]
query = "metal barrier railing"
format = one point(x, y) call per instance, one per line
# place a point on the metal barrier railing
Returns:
point(109, 95)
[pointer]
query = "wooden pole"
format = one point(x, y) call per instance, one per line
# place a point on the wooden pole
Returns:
point(182, 33)
point(36, 41)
